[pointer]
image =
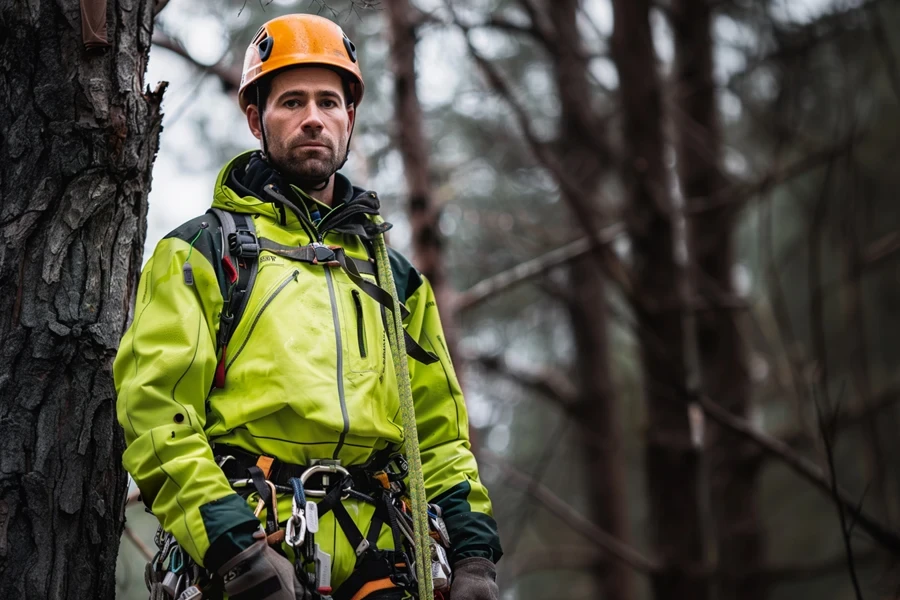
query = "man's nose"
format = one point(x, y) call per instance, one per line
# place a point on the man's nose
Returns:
point(312, 119)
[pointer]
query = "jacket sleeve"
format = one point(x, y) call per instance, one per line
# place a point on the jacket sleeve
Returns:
point(450, 470)
point(163, 371)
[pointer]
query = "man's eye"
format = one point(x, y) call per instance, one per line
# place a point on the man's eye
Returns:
point(291, 104)
point(328, 104)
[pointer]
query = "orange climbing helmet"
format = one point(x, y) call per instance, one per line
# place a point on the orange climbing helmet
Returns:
point(300, 39)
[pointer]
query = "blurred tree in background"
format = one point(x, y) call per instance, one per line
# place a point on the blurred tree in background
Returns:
point(667, 238)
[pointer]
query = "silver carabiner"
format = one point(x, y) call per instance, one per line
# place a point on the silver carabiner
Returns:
point(321, 468)
point(295, 534)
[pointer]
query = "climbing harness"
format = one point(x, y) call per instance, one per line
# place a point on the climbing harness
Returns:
point(379, 483)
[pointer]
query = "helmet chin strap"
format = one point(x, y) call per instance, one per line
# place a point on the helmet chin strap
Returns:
point(262, 127)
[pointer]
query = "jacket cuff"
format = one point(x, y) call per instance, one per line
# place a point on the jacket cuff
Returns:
point(230, 525)
point(472, 534)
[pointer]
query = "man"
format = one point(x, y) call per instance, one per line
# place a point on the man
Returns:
point(218, 403)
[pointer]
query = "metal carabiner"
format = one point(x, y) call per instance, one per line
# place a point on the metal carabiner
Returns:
point(295, 532)
point(262, 503)
point(321, 468)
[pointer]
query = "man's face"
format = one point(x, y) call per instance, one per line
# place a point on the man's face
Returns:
point(307, 123)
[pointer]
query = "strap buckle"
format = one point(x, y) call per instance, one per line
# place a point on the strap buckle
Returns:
point(397, 468)
point(243, 243)
point(325, 255)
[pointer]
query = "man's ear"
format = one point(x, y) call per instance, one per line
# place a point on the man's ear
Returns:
point(253, 121)
point(351, 114)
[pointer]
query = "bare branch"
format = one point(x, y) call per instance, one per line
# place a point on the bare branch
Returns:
point(547, 382)
point(881, 249)
point(888, 398)
point(230, 75)
point(139, 544)
point(543, 30)
point(133, 498)
point(741, 192)
point(504, 24)
point(827, 438)
point(803, 467)
point(530, 269)
point(570, 516)
point(570, 192)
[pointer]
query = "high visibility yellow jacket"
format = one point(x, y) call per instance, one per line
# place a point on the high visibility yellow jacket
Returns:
point(309, 376)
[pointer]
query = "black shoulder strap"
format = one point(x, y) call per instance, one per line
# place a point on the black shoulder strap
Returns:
point(413, 349)
point(240, 262)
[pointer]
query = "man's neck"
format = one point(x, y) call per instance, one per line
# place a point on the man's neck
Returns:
point(326, 194)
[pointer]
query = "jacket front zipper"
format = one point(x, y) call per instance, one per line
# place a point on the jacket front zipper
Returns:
point(360, 324)
point(265, 305)
point(340, 360)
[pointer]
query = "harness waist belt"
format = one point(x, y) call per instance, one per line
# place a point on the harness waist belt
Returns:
point(237, 461)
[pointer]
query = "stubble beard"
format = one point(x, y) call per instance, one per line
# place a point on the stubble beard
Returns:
point(307, 165)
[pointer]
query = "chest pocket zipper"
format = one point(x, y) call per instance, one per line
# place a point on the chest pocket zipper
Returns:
point(360, 323)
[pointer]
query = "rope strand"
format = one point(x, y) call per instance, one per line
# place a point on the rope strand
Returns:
point(411, 435)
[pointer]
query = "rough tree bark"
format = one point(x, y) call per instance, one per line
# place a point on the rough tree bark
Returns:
point(672, 460)
point(734, 468)
point(597, 403)
point(77, 142)
point(412, 142)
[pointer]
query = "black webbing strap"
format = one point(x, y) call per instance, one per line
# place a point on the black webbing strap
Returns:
point(265, 494)
point(413, 349)
point(332, 502)
point(307, 254)
point(240, 247)
point(243, 246)
point(390, 509)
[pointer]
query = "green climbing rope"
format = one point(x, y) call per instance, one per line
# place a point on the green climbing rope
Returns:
point(411, 434)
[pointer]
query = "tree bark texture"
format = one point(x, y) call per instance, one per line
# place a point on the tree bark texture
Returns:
point(412, 142)
point(77, 142)
point(579, 147)
point(672, 460)
point(734, 468)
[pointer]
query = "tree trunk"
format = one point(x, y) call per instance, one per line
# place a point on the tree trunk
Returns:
point(734, 469)
point(672, 460)
point(77, 142)
point(412, 142)
point(601, 425)
point(580, 149)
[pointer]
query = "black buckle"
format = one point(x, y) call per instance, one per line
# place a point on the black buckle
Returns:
point(397, 468)
point(324, 254)
point(243, 243)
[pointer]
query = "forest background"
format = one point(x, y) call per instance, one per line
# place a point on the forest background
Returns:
point(666, 244)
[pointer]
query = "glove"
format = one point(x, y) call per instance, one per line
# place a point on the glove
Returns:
point(260, 573)
point(474, 579)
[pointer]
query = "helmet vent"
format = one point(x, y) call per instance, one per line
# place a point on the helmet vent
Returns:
point(265, 48)
point(351, 49)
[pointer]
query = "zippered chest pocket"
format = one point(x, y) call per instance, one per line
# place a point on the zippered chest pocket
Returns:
point(365, 341)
